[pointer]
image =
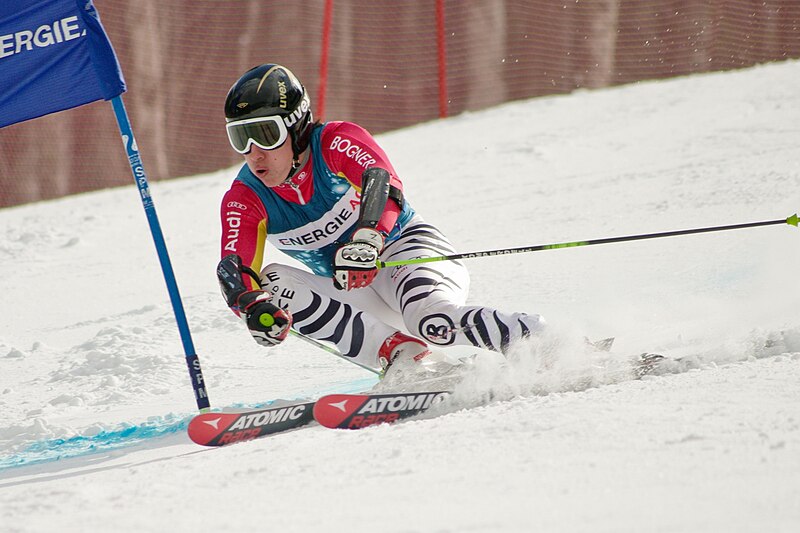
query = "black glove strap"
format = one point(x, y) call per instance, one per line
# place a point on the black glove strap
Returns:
point(252, 273)
point(396, 195)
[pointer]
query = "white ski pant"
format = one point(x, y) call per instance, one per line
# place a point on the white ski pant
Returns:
point(426, 300)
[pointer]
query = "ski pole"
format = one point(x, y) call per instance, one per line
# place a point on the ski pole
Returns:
point(330, 350)
point(792, 221)
point(315, 342)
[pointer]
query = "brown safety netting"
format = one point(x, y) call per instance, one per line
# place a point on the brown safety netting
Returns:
point(180, 57)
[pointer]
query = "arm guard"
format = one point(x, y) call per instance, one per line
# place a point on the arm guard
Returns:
point(374, 193)
point(231, 283)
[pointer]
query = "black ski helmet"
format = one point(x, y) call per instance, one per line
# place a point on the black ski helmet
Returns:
point(272, 90)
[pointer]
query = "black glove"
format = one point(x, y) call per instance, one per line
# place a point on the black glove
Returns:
point(268, 324)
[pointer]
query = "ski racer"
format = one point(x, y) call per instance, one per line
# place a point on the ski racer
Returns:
point(300, 189)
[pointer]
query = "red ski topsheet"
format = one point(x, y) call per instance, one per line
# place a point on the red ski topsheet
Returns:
point(218, 429)
point(355, 411)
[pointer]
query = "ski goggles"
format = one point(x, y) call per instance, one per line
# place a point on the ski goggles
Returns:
point(267, 133)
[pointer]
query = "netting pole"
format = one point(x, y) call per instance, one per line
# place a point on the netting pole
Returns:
point(442, 56)
point(327, 20)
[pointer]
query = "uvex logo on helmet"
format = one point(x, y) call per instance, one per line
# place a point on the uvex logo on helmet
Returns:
point(297, 114)
point(282, 92)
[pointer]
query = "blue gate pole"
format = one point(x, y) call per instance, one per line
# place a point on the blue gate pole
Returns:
point(139, 176)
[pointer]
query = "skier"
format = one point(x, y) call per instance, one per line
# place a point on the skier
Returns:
point(300, 189)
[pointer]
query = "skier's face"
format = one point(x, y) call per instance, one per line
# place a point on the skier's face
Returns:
point(270, 166)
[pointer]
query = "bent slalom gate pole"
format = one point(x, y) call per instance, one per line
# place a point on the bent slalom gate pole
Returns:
point(792, 221)
point(192, 361)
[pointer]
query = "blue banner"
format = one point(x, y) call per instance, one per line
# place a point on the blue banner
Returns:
point(54, 55)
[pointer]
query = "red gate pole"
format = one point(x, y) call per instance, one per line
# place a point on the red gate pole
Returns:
point(327, 19)
point(440, 45)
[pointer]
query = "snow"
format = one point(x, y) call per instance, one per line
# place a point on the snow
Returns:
point(91, 360)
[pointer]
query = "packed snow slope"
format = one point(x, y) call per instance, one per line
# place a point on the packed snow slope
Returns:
point(90, 353)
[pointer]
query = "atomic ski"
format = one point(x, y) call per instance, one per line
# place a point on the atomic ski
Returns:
point(356, 411)
point(219, 429)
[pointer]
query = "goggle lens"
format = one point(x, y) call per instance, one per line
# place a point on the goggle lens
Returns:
point(267, 133)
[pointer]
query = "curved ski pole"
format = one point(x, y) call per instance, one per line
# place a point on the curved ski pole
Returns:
point(330, 350)
point(792, 221)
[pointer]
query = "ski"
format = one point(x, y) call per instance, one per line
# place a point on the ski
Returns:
point(356, 411)
point(652, 364)
point(648, 364)
point(353, 411)
point(219, 429)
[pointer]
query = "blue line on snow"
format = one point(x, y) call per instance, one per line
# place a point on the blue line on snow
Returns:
point(47, 450)
point(126, 435)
